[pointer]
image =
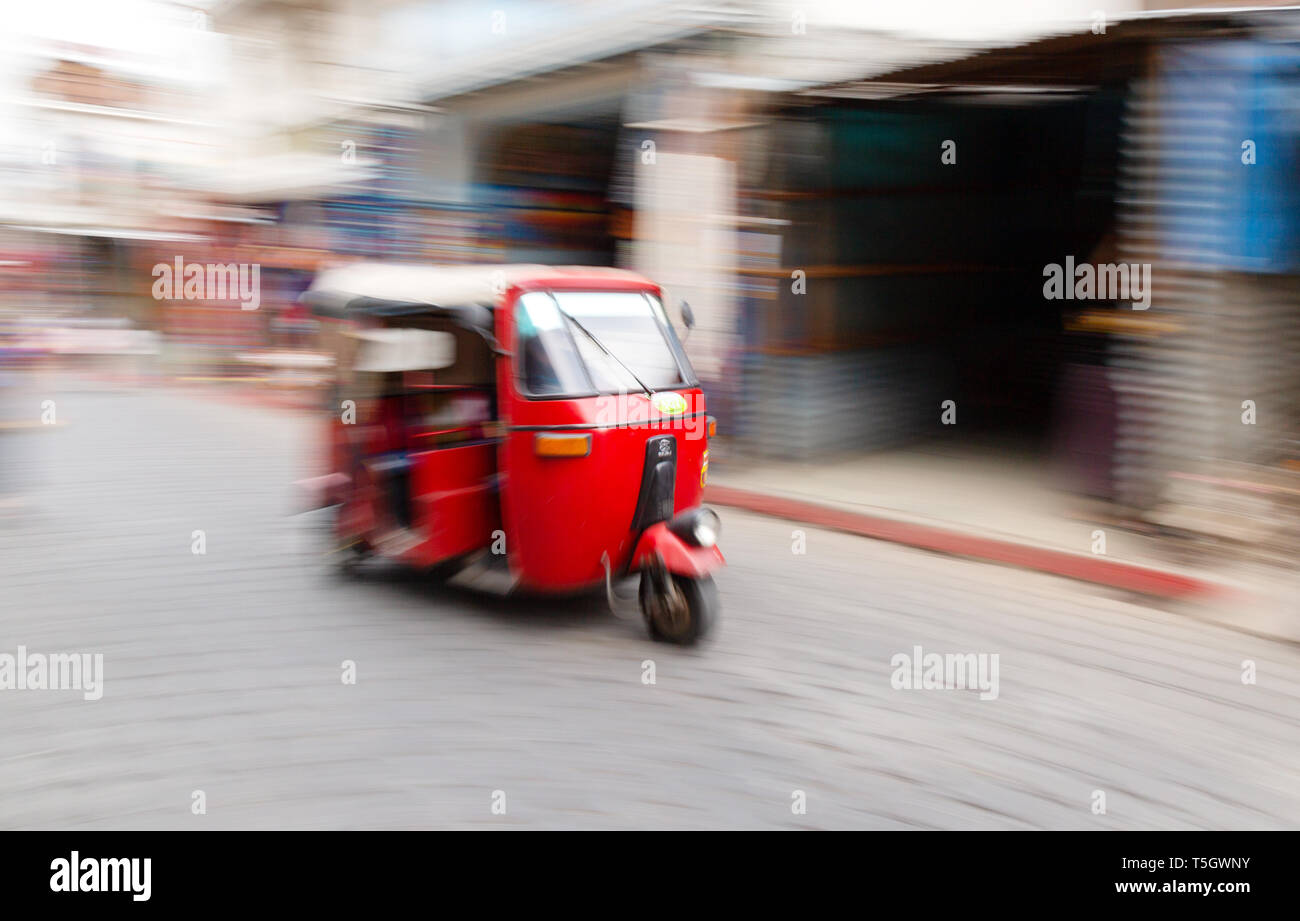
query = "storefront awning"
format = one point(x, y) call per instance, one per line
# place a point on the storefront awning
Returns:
point(1062, 58)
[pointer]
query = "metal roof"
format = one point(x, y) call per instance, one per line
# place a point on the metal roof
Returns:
point(1059, 55)
point(584, 35)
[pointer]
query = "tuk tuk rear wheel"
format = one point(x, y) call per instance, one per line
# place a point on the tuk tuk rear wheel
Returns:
point(683, 611)
point(349, 551)
point(439, 573)
point(348, 559)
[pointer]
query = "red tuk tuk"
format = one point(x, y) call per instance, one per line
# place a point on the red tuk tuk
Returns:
point(542, 420)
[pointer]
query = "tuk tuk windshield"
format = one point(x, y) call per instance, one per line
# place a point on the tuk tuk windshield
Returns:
point(561, 335)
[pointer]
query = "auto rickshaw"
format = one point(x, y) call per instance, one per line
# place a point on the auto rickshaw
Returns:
point(544, 421)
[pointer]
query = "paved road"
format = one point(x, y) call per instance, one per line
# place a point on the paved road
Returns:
point(222, 673)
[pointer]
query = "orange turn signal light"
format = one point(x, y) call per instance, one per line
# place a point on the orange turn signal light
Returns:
point(712, 426)
point(552, 445)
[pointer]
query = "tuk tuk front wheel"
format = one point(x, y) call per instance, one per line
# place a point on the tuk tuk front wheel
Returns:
point(678, 609)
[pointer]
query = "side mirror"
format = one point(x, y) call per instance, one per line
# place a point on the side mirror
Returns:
point(688, 315)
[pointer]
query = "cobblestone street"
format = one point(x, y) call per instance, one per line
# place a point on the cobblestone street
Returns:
point(222, 671)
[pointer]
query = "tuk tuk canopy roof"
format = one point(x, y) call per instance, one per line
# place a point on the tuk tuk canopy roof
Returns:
point(462, 291)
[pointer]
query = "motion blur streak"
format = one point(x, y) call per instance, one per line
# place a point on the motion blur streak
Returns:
point(891, 224)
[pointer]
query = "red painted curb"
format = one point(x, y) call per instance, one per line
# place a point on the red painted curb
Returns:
point(1100, 570)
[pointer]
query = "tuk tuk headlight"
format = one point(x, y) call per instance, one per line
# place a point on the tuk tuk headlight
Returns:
point(699, 526)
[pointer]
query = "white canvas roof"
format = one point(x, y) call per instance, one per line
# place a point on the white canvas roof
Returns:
point(450, 287)
point(447, 286)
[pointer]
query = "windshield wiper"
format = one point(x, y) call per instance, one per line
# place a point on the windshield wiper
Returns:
point(600, 345)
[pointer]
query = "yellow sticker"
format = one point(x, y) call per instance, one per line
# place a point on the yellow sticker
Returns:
point(669, 403)
point(704, 469)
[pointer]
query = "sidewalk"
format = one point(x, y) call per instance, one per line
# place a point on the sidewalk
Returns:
point(999, 507)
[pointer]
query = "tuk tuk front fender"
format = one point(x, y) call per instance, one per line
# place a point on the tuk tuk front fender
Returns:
point(680, 558)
